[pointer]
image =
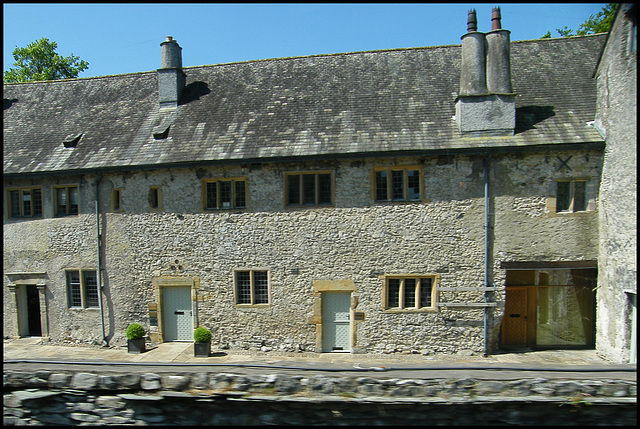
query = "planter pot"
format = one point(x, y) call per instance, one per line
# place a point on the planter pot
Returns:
point(136, 346)
point(202, 349)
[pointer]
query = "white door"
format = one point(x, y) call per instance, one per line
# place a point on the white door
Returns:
point(336, 325)
point(177, 316)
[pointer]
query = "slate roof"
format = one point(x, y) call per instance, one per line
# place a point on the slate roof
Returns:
point(376, 102)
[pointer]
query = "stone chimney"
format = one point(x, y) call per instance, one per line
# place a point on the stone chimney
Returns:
point(486, 104)
point(171, 78)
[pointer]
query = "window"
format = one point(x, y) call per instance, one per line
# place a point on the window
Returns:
point(310, 189)
point(155, 198)
point(82, 289)
point(397, 184)
point(66, 200)
point(410, 292)
point(252, 287)
point(25, 202)
point(116, 200)
point(225, 194)
point(571, 196)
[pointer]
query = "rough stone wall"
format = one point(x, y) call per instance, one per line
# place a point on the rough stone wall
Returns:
point(617, 116)
point(356, 240)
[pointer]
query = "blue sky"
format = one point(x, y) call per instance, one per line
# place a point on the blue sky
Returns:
point(125, 38)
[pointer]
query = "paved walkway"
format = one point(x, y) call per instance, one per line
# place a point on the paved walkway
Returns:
point(182, 352)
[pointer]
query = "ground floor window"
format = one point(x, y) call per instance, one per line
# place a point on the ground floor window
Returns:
point(409, 292)
point(82, 288)
point(252, 287)
point(550, 308)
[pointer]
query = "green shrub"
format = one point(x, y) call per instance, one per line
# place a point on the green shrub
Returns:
point(202, 335)
point(135, 331)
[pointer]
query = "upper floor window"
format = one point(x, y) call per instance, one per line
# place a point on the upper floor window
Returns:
point(116, 200)
point(571, 196)
point(410, 292)
point(252, 287)
point(25, 202)
point(224, 193)
point(82, 288)
point(313, 188)
point(155, 198)
point(397, 184)
point(66, 200)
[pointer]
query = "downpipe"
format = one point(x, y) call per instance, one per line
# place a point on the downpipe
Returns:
point(105, 342)
point(486, 251)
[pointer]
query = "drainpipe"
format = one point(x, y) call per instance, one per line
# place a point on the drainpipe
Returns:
point(105, 343)
point(486, 248)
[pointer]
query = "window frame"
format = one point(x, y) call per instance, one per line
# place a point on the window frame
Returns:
point(571, 196)
point(418, 278)
point(252, 287)
point(155, 195)
point(303, 194)
point(56, 206)
point(116, 200)
point(84, 289)
point(389, 170)
point(21, 191)
point(233, 192)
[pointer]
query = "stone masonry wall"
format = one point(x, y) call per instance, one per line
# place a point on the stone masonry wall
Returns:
point(356, 240)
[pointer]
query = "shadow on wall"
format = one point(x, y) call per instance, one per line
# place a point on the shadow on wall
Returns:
point(528, 116)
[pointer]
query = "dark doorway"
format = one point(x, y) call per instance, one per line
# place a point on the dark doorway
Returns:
point(33, 311)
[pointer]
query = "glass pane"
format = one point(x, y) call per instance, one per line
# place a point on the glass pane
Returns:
point(414, 184)
point(324, 188)
point(73, 284)
point(579, 196)
point(243, 283)
point(62, 202)
point(293, 189)
point(73, 201)
point(261, 290)
point(565, 316)
point(397, 185)
point(91, 289)
point(15, 203)
point(563, 197)
point(426, 286)
point(241, 195)
point(381, 186)
point(225, 195)
point(212, 196)
point(26, 203)
point(37, 202)
point(409, 293)
point(393, 293)
point(309, 188)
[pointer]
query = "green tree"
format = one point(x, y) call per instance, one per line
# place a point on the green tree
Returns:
point(598, 23)
point(39, 61)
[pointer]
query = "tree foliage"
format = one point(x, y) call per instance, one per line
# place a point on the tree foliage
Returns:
point(598, 23)
point(39, 61)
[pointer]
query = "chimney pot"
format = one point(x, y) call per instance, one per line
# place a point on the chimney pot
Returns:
point(472, 21)
point(168, 39)
point(495, 19)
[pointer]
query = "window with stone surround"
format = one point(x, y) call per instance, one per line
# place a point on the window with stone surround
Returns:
point(252, 287)
point(409, 292)
point(116, 200)
point(65, 200)
point(82, 288)
point(308, 188)
point(155, 198)
point(225, 194)
point(397, 183)
point(571, 196)
point(24, 202)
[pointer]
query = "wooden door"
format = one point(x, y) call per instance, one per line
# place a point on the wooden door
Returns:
point(514, 321)
point(335, 321)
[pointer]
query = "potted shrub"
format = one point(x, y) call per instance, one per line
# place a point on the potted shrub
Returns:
point(135, 338)
point(202, 345)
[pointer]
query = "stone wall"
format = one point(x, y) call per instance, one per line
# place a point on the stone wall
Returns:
point(356, 240)
point(213, 398)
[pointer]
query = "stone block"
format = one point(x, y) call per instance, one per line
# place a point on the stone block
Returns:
point(150, 381)
point(84, 381)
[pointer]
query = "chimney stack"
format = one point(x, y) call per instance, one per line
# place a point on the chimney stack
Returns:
point(486, 103)
point(171, 78)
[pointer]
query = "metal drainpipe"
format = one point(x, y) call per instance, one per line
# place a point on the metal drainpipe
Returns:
point(486, 248)
point(105, 343)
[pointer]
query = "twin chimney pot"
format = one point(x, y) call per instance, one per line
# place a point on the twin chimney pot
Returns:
point(486, 104)
point(171, 78)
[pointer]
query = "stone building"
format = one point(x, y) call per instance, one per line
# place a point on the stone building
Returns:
point(422, 200)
